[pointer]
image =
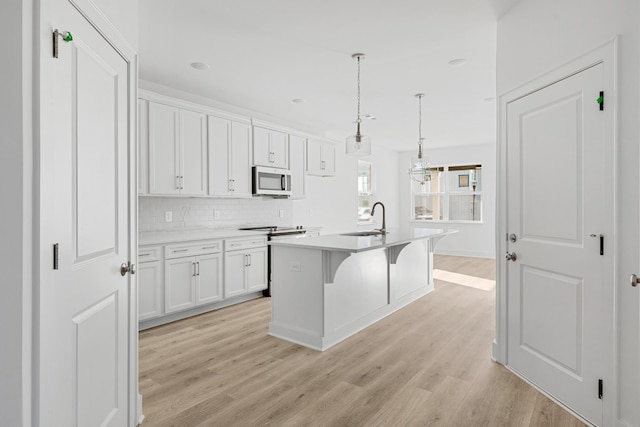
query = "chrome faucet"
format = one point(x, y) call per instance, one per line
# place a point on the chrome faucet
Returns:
point(382, 230)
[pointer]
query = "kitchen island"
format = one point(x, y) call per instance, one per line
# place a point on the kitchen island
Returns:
point(327, 288)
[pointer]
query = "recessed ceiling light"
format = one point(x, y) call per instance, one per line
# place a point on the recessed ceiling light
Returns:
point(297, 101)
point(200, 65)
point(457, 62)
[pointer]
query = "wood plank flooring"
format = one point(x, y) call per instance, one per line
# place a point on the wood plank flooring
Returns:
point(425, 365)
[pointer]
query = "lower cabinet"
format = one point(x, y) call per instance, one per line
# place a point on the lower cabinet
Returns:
point(245, 271)
point(149, 282)
point(192, 281)
point(182, 276)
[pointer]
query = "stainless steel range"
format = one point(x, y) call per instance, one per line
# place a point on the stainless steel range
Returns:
point(276, 233)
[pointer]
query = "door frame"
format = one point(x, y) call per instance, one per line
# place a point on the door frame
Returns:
point(42, 272)
point(607, 54)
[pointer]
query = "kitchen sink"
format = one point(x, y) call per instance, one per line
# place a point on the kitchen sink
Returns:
point(363, 233)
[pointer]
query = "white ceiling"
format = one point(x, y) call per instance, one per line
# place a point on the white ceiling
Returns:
point(265, 53)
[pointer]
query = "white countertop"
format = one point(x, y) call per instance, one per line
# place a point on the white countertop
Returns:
point(342, 243)
point(193, 234)
point(185, 235)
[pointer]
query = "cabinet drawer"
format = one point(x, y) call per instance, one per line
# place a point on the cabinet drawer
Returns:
point(180, 250)
point(244, 243)
point(149, 254)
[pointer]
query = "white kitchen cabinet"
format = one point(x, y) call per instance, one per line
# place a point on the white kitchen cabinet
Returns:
point(177, 151)
point(297, 160)
point(321, 158)
point(245, 266)
point(270, 148)
point(229, 158)
point(143, 147)
point(149, 283)
point(193, 275)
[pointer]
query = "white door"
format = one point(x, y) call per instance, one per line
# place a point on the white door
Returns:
point(235, 265)
point(83, 327)
point(257, 269)
point(209, 278)
point(218, 134)
point(241, 159)
point(560, 200)
point(164, 149)
point(179, 284)
point(193, 156)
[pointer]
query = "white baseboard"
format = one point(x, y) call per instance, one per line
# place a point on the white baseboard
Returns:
point(472, 254)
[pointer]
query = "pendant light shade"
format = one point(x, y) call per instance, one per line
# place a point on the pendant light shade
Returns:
point(358, 144)
point(420, 170)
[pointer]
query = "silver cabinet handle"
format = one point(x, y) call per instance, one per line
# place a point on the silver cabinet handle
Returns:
point(194, 269)
point(182, 182)
point(633, 280)
point(198, 265)
point(249, 260)
point(510, 256)
point(177, 182)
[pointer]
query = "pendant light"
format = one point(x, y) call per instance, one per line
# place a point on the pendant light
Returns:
point(420, 170)
point(358, 144)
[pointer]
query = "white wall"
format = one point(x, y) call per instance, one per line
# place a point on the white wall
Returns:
point(537, 36)
point(476, 240)
point(332, 202)
point(15, 226)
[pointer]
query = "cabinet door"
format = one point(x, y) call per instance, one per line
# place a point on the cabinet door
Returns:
point(257, 269)
point(328, 159)
point(279, 149)
point(164, 173)
point(179, 284)
point(261, 146)
point(193, 142)
point(234, 273)
point(149, 290)
point(314, 157)
point(143, 147)
point(219, 134)
point(209, 278)
point(240, 149)
point(297, 166)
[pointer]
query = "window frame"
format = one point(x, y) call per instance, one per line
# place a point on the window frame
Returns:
point(445, 196)
point(360, 193)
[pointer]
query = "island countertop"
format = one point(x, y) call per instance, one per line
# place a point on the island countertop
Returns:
point(352, 244)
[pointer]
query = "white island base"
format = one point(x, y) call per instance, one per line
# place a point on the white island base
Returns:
point(325, 289)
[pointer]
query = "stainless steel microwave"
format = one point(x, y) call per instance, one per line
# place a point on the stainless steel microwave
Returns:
point(271, 181)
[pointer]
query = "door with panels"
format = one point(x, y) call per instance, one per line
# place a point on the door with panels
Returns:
point(560, 249)
point(84, 372)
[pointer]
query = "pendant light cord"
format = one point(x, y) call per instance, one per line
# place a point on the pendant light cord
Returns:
point(420, 125)
point(358, 119)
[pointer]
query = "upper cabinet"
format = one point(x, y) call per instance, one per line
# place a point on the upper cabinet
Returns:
point(321, 158)
point(270, 148)
point(177, 151)
point(229, 158)
point(297, 160)
point(143, 147)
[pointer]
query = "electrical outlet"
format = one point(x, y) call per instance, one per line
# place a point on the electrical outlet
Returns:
point(294, 266)
point(216, 214)
point(168, 216)
point(281, 213)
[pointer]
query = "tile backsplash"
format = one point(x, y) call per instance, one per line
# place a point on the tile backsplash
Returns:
point(199, 212)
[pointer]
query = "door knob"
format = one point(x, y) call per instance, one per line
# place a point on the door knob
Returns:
point(127, 268)
point(510, 256)
point(633, 280)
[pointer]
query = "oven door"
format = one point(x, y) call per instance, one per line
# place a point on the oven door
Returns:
point(271, 181)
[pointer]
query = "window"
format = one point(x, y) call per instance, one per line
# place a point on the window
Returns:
point(365, 191)
point(453, 194)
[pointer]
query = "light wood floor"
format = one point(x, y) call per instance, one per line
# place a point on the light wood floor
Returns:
point(425, 365)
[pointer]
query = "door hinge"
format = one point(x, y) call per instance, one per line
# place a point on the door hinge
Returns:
point(55, 256)
point(600, 388)
point(601, 100)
